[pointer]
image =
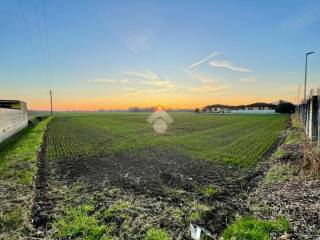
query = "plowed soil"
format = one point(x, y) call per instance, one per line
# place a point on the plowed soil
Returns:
point(155, 178)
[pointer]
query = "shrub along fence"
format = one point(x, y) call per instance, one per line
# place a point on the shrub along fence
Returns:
point(310, 116)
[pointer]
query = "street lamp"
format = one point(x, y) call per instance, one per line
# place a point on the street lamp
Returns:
point(305, 77)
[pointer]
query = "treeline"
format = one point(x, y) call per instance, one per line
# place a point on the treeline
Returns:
point(147, 109)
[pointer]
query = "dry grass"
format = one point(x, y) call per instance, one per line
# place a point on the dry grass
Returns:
point(311, 160)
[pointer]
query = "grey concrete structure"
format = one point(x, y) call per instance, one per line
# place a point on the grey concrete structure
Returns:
point(13, 117)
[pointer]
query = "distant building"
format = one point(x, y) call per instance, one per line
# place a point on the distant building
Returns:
point(260, 106)
point(251, 108)
point(217, 108)
point(13, 117)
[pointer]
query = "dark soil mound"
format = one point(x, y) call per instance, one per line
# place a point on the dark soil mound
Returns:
point(149, 172)
point(292, 153)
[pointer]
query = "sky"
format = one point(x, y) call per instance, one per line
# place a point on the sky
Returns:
point(179, 54)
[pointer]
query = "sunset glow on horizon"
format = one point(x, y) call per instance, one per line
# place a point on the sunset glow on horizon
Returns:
point(108, 55)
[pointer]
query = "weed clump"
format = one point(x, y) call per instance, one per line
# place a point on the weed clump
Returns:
point(175, 213)
point(254, 229)
point(76, 222)
point(198, 212)
point(10, 221)
point(207, 191)
point(117, 209)
point(156, 234)
point(279, 173)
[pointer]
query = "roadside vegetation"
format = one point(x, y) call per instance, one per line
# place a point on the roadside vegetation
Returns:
point(291, 188)
point(18, 164)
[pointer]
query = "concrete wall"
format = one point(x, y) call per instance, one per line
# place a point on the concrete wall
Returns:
point(12, 121)
point(309, 116)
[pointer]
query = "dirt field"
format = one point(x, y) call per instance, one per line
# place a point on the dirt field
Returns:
point(197, 172)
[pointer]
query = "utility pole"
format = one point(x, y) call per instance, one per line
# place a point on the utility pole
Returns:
point(304, 105)
point(305, 77)
point(298, 95)
point(51, 111)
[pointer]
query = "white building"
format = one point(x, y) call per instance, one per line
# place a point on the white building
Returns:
point(217, 108)
point(13, 117)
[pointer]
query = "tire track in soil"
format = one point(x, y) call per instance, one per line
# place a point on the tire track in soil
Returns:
point(43, 204)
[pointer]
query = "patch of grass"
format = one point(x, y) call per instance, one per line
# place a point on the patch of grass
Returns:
point(18, 158)
point(250, 228)
point(279, 153)
point(76, 222)
point(12, 220)
point(117, 209)
point(175, 213)
point(278, 173)
point(156, 234)
point(207, 191)
point(295, 120)
point(198, 212)
point(19, 154)
point(294, 137)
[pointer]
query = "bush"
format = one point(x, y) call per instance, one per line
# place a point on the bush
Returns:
point(285, 107)
point(156, 234)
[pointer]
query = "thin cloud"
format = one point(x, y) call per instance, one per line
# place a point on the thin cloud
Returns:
point(201, 77)
point(248, 80)
point(136, 92)
point(152, 79)
point(228, 65)
point(109, 80)
point(147, 74)
point(159, 83)
point(203, 60)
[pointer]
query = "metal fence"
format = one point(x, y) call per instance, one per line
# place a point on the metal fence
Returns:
point(310, 116)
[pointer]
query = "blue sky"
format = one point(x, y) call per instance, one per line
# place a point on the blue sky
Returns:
point(116, 54)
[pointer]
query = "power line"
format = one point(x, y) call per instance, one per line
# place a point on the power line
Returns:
point(41, 39)
point(46, 36)
point(28, 30)
point(25, 23)
point(41, 30)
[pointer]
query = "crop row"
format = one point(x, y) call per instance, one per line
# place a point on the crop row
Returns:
point(234, 139)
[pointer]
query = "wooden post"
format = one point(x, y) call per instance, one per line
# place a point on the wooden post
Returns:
point(315, 113)
point(309, 117)
point(318, 94)
point(51, 111)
